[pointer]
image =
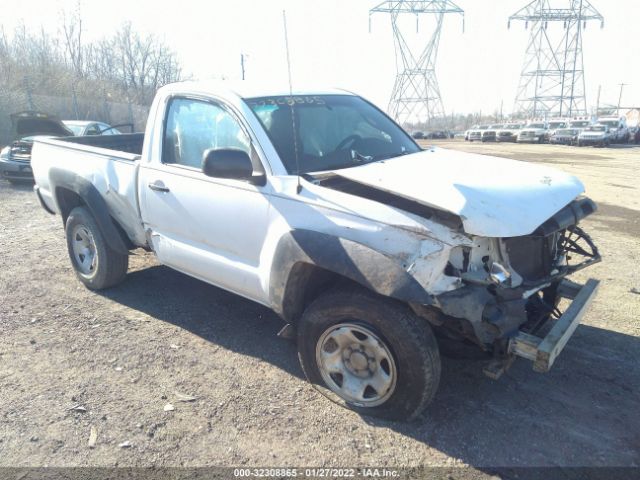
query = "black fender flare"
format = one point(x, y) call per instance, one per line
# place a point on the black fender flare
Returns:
point(360, 263)
point(63, 179)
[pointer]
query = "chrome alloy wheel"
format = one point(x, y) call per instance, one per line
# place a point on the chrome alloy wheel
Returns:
point(84, 250)
point(356, 364)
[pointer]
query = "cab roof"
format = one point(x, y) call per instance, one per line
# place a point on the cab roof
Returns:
point(247, 89)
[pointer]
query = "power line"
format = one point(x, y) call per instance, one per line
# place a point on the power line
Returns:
point(416, 95)
point(552, 82)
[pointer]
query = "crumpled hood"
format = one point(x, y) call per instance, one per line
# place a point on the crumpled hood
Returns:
point(495, 197)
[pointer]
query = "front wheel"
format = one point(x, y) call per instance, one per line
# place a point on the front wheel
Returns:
point(96, 264)
point(369, 354)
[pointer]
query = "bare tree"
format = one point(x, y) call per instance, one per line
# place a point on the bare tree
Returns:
point(125, 66)
point(72, 34)
point(142, 64)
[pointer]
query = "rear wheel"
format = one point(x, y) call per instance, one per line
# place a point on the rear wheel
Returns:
point(96, 264)
point(369, 354)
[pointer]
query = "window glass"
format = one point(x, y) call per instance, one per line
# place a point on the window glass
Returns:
point(321, 132)
point(93, 129)
point(195, 126)
point(109, 130)
point(76, 129)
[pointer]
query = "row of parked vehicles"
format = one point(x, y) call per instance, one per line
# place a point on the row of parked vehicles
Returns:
point(579, 131)
point(15, 159)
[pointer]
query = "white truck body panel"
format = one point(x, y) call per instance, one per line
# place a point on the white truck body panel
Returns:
point(114, 174)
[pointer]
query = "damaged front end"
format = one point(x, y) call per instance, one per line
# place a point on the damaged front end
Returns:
point(513, 287)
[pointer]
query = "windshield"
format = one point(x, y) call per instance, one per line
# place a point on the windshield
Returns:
point(557, 125)
point(536, 125)
point(332, 131)
point(580, 124)
point(514, 127)
point(566, 131)
point(610, 123)
point(596, 128)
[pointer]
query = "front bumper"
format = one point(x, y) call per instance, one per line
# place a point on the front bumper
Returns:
point(530, 139)
point(592, 141)
point(544, 351)
point(12, 170)
point(562, 141)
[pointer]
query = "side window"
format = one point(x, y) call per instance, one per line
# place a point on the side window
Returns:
point(194, 126)
point(93, 129)
point(106, 129)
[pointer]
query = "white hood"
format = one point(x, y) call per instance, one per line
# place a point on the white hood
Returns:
point(495, 197)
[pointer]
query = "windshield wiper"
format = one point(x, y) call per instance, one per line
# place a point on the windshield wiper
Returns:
point(386, 156)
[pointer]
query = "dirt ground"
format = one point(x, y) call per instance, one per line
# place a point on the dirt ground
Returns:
point(121, 356)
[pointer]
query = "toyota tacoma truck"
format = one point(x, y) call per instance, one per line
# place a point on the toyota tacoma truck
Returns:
point(375, 253)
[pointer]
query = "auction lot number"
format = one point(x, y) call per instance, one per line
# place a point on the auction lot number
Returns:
point(315, 472)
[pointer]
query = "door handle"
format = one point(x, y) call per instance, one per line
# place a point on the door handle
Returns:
point(158, 187)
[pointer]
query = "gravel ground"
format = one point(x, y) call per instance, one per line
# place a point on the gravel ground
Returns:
point(74, 362)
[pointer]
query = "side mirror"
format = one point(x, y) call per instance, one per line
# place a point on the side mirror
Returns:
point(229, 163)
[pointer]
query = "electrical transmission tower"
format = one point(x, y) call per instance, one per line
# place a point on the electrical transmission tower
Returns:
point(416, 95)
point(552, 80)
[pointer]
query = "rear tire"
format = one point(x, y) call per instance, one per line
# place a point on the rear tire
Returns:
point(96, 264)
point(384, 360)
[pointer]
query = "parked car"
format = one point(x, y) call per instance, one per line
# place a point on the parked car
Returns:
point(509, 132)
point(580, 123)
point(15, 159)
point(89, 127)
point(475, 134)
point(533, 132)
point(466, 133)
point(490, 134)
point(418, 135)
point(368, 247)
point(555, 124)
point(618, 130)
point(565, 136)
point(437, 135)
point(595, 135)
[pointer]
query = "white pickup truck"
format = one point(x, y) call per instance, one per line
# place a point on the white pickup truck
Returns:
point(373, 251)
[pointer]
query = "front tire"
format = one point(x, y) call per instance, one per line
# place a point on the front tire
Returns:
point(370, 354)
point(96, 264)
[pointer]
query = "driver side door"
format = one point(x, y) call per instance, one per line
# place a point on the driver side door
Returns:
point(209, 228)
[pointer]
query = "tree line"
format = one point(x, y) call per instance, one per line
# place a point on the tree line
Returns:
point(123, 67)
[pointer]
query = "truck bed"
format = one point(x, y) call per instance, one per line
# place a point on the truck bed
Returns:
point(108, 162)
